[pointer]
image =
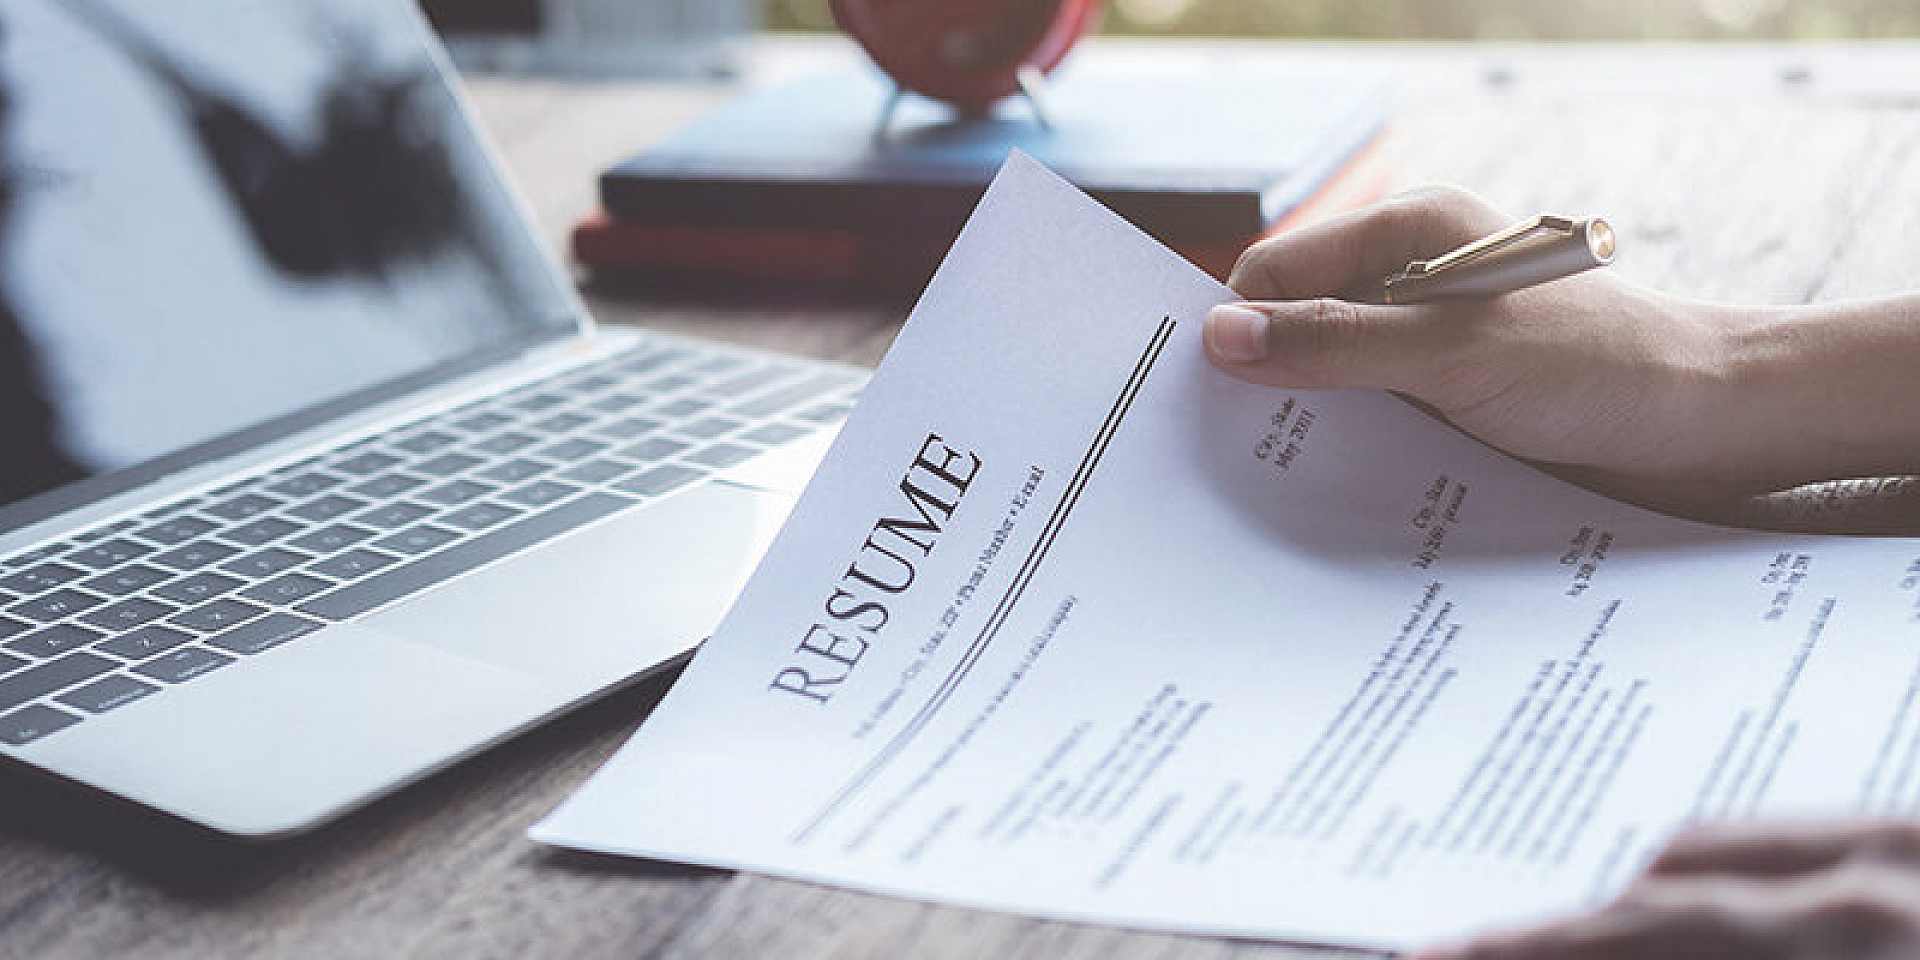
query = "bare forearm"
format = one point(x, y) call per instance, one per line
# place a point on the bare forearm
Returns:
point(1828, 390)
point(1649, 397)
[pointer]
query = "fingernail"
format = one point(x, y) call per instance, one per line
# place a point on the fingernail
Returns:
point(1237, 333)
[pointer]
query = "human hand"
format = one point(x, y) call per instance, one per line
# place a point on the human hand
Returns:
point(1645, 396)
point(1845, 892)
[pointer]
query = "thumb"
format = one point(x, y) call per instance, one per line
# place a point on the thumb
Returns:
point(1326, 343)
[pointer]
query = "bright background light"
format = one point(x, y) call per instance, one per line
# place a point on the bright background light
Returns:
point(1477, 19)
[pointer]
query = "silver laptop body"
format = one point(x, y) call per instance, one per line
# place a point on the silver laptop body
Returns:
point(315, 476)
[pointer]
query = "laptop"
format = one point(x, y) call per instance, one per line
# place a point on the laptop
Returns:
point(315, 475)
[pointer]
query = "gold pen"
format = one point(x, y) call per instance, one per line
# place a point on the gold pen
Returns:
point(1528, 253)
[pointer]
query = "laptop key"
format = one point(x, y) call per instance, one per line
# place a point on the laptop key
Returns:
point(418, 539)
point(305, 484)
point(286, 589)
point(183, 664)
point(627, 428)
point(38, 681)
point(707, 428)
point(448, 464)
point(722, 454)
point(415, 575)
point(592, 383)
point(329, 507)
point(506, 443)
point(479, 516)
point(740, 384)
point(563, 423)
point(391, 515)
point(683, 408)
point(650, 362)
point(387, 485)
point(144, 642)
point(485, 422)
point(10, 663)
point(540, 493)
point(53, 641)
point(457, 492)
point(25, 726)
point(775, 433)
point(366, 464)
point(96, 533)
point(119, 583)
point(176, 530)
point(421, 444)
point(328, 539)
point(538, 403)
point(575, 449)
point(268, 631)
point(200, 586)
point(353, 564)
point(106, 693)
point(656, 448)
point(598, 471)
point(259, 532)
point(217, 615)
point(660, 480)
point(615, 402)
point(9, 627)
point(110, 553)
point(128, 614)
point(49, 607)
point(243, 507)
point(44, 576)
point(266, 563)
point(514, 471)
point(671, 383)
point(193, 556)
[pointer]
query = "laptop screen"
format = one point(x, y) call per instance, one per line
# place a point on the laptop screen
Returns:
point(219, 214)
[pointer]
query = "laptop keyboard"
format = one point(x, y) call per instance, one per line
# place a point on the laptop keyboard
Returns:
point(131, 608)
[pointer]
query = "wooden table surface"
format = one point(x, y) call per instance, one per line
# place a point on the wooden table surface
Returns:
point(1755, 174)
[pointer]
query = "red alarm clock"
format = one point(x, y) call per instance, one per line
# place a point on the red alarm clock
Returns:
point(968, 53)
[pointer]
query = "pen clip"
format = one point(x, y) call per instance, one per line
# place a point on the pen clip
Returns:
point(1521, 234)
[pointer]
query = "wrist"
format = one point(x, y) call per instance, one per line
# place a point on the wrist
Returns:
point(1822, 391)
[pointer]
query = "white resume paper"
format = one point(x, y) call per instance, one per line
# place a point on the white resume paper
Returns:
point(1070, 624)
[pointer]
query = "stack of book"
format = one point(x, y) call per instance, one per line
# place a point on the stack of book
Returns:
point(801, 185)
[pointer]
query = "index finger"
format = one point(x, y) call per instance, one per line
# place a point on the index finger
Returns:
point(1343, 252)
